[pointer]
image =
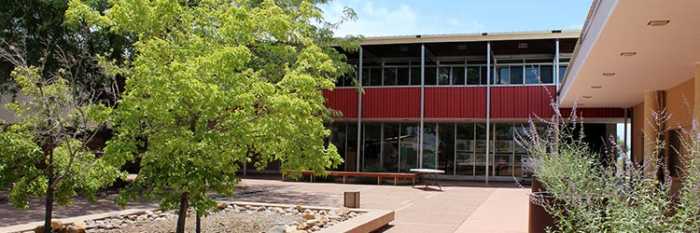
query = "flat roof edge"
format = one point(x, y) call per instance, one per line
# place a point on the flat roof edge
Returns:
point(438, 38)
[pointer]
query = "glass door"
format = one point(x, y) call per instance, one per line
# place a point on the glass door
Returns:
point(464, 149)
point(502, 162)
point(430, 140)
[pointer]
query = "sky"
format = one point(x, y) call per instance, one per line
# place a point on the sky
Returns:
point(412, 17)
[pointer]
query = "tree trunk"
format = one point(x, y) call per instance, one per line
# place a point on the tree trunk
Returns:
point(182, 214)
point(48, 210)
point(198, 223)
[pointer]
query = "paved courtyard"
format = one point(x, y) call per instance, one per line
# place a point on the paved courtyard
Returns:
point(459, 207)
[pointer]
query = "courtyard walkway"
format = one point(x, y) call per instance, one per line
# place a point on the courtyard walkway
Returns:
point(459, 207)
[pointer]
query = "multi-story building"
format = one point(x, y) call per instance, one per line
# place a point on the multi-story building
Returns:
point(464, 91)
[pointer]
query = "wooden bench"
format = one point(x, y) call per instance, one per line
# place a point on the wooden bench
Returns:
point(379, 175)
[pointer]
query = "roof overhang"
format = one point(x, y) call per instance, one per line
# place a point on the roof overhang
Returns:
point(620, 56)
point(412, 39)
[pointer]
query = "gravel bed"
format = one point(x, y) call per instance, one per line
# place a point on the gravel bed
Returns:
point(229, 218)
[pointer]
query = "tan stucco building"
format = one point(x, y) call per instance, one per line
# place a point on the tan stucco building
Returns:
point(642, 56)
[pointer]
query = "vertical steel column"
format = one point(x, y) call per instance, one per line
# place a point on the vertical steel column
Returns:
point(359, 116)
point(422, 103)
point(556, 66)
point(488, 107)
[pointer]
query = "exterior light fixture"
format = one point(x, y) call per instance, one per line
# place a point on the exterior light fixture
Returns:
point(587, 96)
point(596, 86)
point(608, 74)
point(628, 54)
point(656, 23)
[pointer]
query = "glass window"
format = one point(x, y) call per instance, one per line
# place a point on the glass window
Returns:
point(503, 75)
point(429, 146)
point(503, 150)
point(516, 74)
point(390, 77)
point(402, 76)
point(473, 76)
point(483, 75)
point(446, 148)
point(365, 77)
point(408, 146)
point(457, 75)
point(465, 149)
point(480, 147)
point(532, 74)
point(338, 137)
point(376, 77)
point(430, 76)
point(444, 75)
point(520, 131)
point(371, 147)
point(390, 147)
point(340, 82)
point(562, 72)
point(547, 73)
point(351, 148)
point(415, 76)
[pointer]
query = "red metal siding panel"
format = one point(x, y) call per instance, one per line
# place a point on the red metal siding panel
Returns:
point(521, 102)
point(395, 102)
point(455, 102)
point(343, 100)
point(595, 112)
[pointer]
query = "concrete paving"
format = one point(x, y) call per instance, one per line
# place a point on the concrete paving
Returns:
point(459, 207)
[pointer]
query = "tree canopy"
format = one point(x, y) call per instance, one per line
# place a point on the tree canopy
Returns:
point(44, 152)
point(37, 26)
point(215, 83)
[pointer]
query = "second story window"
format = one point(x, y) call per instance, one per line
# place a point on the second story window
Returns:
point(458, 75)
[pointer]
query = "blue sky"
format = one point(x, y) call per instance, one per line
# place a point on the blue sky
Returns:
point(411, 17)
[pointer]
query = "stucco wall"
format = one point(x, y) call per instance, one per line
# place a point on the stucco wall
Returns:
point(680, 104)
point(637, 132)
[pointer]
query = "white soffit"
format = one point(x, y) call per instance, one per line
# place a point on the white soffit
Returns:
point(665, 55)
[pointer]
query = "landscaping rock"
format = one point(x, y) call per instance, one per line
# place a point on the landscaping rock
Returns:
point(77, 227)
point(232, 218)
point(56, 226)
point(308, 214)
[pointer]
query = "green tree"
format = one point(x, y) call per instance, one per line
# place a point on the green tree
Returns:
point(216, 83)
point(38, 26)
point(44, 151)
